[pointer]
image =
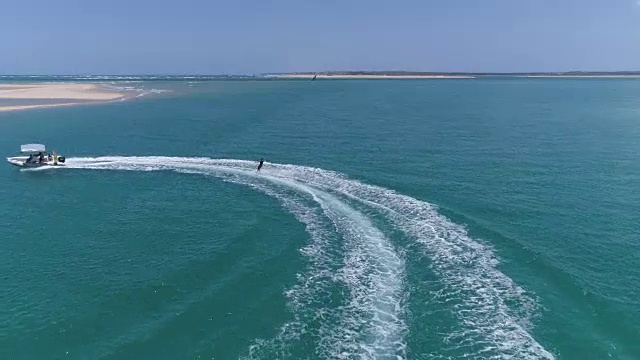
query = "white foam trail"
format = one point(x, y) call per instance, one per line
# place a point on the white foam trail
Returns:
point(468, 267)
point(305, 298)
point(370, 325)
point(374, 275)
point(140, 91)
point(39, 168)
point(481, 292)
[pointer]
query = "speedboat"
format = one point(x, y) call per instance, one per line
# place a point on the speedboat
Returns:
point(37, 157)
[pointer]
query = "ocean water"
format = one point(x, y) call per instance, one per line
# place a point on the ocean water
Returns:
point(396, 219)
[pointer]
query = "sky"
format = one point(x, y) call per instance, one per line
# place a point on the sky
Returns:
point(260, 36)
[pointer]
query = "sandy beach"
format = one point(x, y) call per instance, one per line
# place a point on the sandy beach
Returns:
point(67, 93)
point(347, 76)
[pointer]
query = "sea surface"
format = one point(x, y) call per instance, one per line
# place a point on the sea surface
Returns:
point(489, 218)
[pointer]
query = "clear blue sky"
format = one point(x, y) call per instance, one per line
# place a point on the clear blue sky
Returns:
point(255, 36)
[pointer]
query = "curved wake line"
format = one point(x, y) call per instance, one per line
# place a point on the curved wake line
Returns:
point(372, 270)
point(370, 323)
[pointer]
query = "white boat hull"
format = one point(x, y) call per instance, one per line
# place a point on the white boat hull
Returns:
point(21, 161)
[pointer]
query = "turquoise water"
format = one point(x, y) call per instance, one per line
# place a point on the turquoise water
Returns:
point(417, 219)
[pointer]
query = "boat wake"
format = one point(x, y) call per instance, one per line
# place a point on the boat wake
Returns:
point(347, 250)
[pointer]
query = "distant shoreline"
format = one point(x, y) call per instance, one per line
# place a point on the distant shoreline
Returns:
point(452, 75)
point(96, 79)
point(611, 76)
point(364, 76)
point(68, 93)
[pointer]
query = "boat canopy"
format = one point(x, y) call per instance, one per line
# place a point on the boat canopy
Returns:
point(32, 148)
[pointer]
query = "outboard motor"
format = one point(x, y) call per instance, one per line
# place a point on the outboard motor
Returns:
point(61, 159)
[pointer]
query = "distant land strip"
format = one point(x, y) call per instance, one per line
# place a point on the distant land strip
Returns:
point(446, 75)
point(360, 74)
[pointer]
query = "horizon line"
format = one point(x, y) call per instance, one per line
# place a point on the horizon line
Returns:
point(339, 72)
